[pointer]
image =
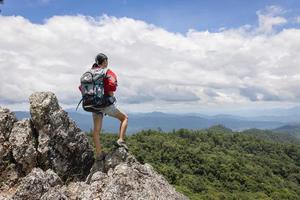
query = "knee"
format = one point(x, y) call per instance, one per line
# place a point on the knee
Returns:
point(125, 119)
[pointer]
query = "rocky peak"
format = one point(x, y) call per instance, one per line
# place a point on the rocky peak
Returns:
point(49, 157)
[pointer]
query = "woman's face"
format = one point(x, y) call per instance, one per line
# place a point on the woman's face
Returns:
point(105, 63)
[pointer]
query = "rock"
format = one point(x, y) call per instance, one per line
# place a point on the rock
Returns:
point(7, 120)
point(9, 177)
point(111, 160)
point(137, 181)
point(5, 155)
point(128, 179)
point(76, 190)
point(54, 193)
point(62, 146)
point(55, 160)
point(123, 178)
point(23, 145)
point(8, 170)
point(6, 195)
point(36, 183)
point(115, 157)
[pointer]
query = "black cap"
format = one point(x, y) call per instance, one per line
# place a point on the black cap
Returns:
point(100, 58)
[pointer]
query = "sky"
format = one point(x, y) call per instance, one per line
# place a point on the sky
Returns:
point(169, 56)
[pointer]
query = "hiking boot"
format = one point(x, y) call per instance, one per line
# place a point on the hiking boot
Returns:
point(121, 143)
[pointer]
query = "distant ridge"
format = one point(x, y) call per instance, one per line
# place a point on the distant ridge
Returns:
point(168, 122)
point(292, 129)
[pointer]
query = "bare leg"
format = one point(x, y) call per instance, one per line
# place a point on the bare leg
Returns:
point(96, 132)
point(123, 124)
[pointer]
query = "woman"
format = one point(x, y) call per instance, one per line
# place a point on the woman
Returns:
point(110, 85)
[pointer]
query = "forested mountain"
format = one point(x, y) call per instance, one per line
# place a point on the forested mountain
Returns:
point(217, 163)
point(293, 129)
point(273, 136)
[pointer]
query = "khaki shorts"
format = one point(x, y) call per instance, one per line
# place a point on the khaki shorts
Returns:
point(111, 110)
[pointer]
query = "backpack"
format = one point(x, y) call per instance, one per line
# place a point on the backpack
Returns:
point(92, 90)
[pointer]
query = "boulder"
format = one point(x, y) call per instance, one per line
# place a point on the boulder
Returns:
point(9, 177)
point(55, 193)
point(8, 170)
point(123, 177)
point(35, 184)
point(129, 179)
point(62, 146)
point(23, 145)
point(7, 120)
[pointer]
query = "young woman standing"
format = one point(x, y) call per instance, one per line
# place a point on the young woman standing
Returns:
point(110, 85)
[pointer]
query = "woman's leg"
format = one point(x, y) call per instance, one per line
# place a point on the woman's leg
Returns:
point(97, 118)
point(123, 124)
point(113, 111)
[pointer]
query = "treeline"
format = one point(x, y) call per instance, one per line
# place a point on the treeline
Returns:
point(217, 163)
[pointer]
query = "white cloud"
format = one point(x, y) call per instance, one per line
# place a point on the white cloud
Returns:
point(270, 17)
point(157, 69)
point(297, 19)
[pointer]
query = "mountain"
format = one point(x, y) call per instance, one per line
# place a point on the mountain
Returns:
point(277, 112)
point(292, 129)
point(273, 136)
point(217, 163)
point(169, 121)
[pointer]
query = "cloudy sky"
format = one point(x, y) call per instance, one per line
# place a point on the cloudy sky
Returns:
point(188, 56)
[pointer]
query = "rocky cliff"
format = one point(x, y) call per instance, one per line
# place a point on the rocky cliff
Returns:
point(49, 157)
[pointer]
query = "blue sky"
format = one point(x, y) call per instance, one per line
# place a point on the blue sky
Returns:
point(174, 16)
point(199, 55)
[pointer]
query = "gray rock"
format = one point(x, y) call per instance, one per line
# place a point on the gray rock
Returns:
point(62, 146)
point(76, 190)
point(5, 155)
point(54, 193)
point(55, 157)
point(35, 184)
point(124, 177)
point(137, 181)
point(115, 157)
point(23, 145)
point(8, 170)
point(9, 177)
point(7, 120)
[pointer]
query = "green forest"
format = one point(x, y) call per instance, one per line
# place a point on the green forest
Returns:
point(217, 163)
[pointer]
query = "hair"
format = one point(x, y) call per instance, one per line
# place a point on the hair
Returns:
point(100, 58)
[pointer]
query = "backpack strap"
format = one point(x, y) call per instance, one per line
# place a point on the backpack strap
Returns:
point(79, 103)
